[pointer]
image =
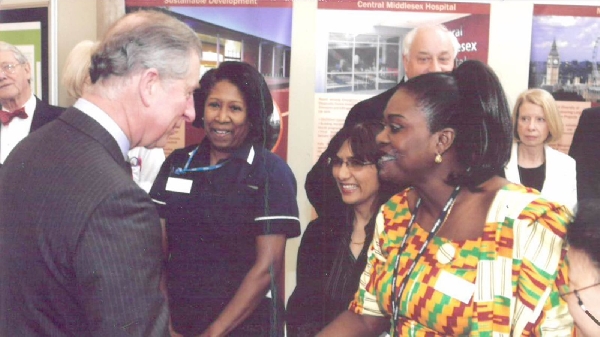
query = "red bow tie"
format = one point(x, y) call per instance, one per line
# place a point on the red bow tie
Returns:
point(6, 117)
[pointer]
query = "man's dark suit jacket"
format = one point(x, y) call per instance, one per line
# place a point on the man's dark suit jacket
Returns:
point(585, 149)
point(44, 113)
point(320, 185)
point(80, 242)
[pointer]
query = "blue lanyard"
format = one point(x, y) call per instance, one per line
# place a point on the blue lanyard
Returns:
point(397, 291)
point(186, 169)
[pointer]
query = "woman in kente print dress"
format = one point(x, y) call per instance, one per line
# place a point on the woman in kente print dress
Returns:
point(463, 252)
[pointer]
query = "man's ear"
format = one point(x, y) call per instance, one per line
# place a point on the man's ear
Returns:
point(405, 61)
point(445, 139)
point(149, 83)
point(27, 69)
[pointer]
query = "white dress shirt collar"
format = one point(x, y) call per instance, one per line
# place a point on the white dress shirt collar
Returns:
point(13, 133)
point(106, 122)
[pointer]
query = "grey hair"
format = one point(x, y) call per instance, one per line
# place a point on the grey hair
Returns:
point(142, 40)
point(410, 36)
point(5, 46)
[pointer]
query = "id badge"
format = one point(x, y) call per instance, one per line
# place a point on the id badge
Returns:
point(455, 287)
point(179, 185)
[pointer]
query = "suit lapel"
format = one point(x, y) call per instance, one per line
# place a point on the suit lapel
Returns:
point(39, 118)
point(87, 125)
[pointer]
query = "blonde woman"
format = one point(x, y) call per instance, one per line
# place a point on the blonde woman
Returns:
point(533, 163)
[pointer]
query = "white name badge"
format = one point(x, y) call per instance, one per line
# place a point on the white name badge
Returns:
point(455, 287)
point(179, 185)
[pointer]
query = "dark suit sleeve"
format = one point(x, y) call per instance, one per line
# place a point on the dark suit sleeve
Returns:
point(371, 108)
point(366, 110)
point(118, 266)
point(44, 114)
point(585, 149)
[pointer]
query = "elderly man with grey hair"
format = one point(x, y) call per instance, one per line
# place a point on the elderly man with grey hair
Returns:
point(81, 243)
point(21, 112)
point(425, 48)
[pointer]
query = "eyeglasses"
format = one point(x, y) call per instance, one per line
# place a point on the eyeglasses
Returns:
point(352, 164)
point(9, 68)
point(580, 302)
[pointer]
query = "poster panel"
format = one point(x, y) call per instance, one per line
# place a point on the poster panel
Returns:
point(359, 50)
point(257, 32)
point(564, 47)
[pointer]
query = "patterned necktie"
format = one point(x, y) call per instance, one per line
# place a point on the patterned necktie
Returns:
point(6, 117)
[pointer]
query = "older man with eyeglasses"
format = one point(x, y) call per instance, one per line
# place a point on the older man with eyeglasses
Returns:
point(21, 112)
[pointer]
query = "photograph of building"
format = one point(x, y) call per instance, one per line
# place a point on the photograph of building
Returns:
point(564, 53)
point(360, 51)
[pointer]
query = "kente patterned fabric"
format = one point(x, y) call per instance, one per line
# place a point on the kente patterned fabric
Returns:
point(503, 284)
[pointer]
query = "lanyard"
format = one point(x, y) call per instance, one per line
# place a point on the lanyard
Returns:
point(186, 169)
point(397, 291)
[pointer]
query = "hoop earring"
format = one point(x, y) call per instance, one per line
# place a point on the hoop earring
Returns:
point(438, 158)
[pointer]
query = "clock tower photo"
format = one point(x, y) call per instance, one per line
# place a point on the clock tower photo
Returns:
point(552, 66)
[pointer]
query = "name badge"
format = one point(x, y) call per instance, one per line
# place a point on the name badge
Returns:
point(455, 287)
point(179, 185)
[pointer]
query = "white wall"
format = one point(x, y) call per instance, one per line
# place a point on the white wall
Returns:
point(76, 22)
point(301, 120)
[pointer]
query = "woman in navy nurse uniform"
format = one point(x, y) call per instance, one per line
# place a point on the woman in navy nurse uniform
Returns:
point(229, 205)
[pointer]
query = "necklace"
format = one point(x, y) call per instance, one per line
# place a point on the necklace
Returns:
point(397, 291)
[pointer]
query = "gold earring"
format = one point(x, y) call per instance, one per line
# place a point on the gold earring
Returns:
point(438, 158)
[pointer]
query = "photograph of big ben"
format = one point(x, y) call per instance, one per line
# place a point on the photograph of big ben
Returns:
point(564, 52)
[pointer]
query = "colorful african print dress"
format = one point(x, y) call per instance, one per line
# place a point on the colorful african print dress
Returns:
point(502, 284)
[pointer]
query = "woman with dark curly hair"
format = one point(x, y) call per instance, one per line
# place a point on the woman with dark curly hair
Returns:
point(333, 251)
point(229, 205)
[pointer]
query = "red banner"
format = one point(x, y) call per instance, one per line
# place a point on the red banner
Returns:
point(407, 6)
point(566, 10)
point(211, 3)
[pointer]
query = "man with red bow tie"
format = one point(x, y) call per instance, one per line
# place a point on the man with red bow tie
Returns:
point(21, 112)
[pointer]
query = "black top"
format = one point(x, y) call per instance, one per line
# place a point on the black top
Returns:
point(327, 274)
point(533, 177)
point(585, 149)
point(212, 227)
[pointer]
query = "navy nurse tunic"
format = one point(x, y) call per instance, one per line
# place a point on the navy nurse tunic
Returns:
point(213, 216)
